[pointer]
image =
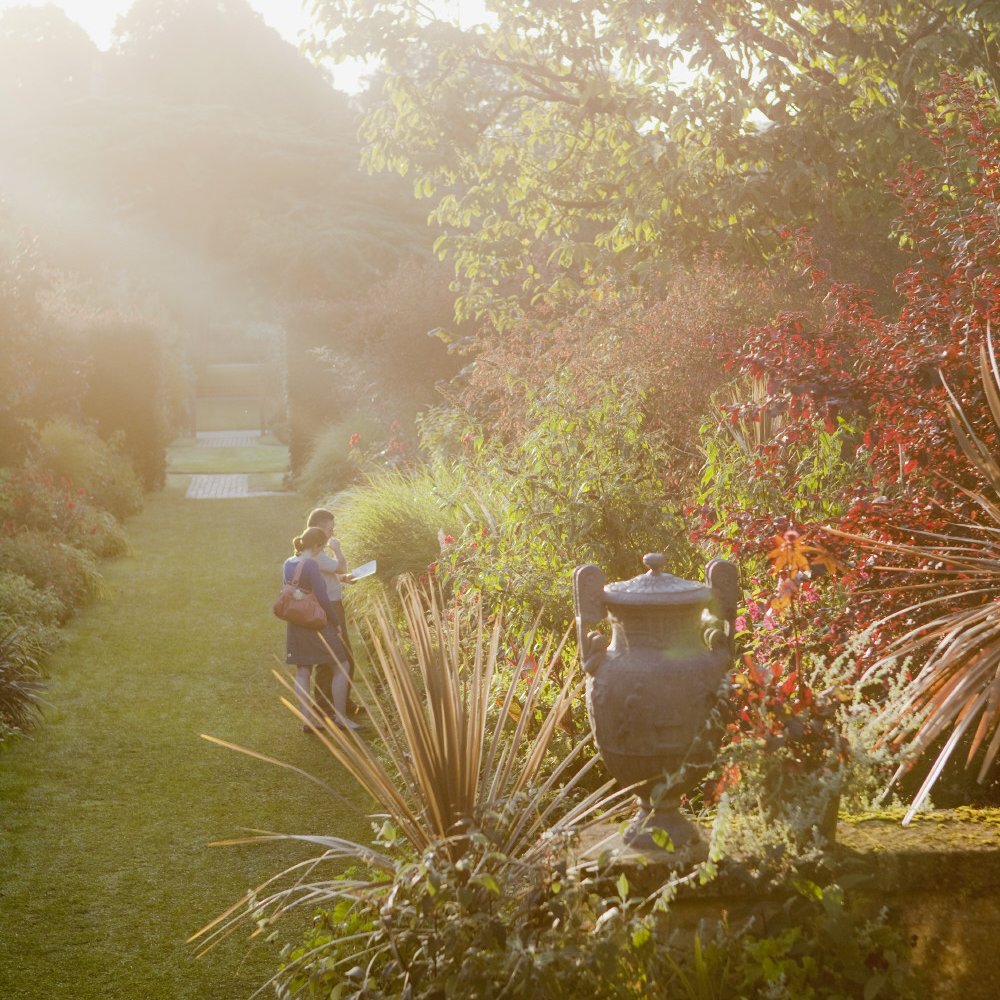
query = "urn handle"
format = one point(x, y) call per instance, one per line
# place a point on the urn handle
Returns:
point(724, 579)
point(588, 601)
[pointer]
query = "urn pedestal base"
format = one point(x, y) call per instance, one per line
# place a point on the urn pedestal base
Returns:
point(664, 831)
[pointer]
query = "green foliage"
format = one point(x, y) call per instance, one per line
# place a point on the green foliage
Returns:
point(179, 51)
point(315, 399)
point(32, 498)
point(334, 463)
point(752, 469)
point(97, 533)
point(45, 57)
point(555, 932)
point(39, 367)
point(20, 678)
point(818, 946)
point(75, 452)
point(67, 571)
point(23, 602)
point(228, 160)
point(473, 928)
point(585, 483)
point(565, 142)
point(36, 611)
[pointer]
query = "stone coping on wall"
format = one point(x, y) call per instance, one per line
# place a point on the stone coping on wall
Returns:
point(938, 879)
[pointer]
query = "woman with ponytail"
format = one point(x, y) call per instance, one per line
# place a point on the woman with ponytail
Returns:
point(318, 655)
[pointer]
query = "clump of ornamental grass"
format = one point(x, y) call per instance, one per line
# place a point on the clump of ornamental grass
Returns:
point(464, 778)
point(20, 679)
point(395, 518)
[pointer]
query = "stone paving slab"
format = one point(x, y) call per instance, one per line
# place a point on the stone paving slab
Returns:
point(225, 487)
point(218, 487)
point(228, 439)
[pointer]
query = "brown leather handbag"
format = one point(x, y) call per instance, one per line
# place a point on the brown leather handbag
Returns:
point(298, 606)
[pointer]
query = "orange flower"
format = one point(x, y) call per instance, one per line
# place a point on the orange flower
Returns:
point(792, 554)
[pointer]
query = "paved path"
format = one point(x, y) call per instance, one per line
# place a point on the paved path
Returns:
point(218, 487)
point(224, 487)
point(228, 439)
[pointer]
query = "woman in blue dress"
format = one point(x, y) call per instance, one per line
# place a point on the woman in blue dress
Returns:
point(318, 655)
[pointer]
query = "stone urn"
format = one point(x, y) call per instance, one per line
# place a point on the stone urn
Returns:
point(652, 691)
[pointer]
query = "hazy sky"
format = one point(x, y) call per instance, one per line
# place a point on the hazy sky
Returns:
point(97, 17)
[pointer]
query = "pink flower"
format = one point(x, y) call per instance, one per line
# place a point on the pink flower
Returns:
point(354, 440)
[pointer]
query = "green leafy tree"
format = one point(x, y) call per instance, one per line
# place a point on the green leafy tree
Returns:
point(563, 141)
point(182, 51)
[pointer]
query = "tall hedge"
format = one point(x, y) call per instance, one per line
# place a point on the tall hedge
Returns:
point(126, 393)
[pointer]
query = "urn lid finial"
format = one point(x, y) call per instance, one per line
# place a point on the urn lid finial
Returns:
point(656, 587)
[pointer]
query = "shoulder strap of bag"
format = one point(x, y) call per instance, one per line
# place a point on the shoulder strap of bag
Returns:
point(294, 582)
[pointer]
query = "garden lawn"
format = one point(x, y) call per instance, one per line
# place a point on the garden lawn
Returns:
point(107, 811)
point(199, 460)
point(224, 414)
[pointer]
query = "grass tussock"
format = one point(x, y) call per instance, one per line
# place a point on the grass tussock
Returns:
point(462, 751)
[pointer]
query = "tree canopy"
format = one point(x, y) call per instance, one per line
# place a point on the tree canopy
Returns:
point(566, 141)
point(44, 56)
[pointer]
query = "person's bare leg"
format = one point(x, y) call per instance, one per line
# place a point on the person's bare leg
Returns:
point(341, 685)
point(323, 688)
point(303, 677)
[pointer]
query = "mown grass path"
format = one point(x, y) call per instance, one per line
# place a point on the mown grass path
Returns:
point(107, 811)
